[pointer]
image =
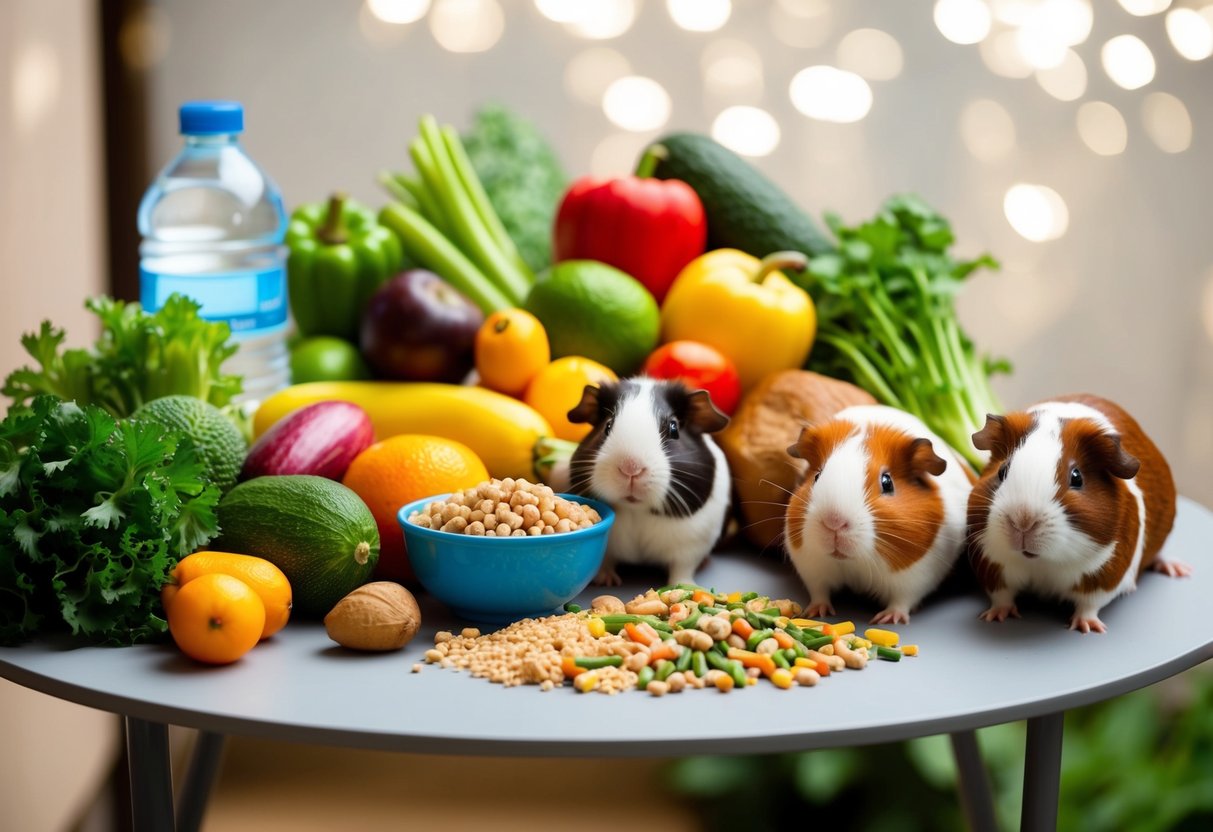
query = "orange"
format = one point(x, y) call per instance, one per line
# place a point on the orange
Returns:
point(262, 577)
point(402, 469)
point(511, 348)
point(216, 618)
point(557, 389)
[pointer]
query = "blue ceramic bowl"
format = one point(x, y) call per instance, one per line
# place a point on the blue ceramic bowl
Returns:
point(502, 579)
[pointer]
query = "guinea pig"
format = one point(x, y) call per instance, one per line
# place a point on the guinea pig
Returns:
point(1075, 502)
point(881, 510)
point(649, 456)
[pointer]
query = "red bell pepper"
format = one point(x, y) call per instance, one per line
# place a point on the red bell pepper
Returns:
point(648, 228)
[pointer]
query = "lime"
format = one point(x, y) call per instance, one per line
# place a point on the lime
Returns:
point(325, 358)
point(596, 311)
point(218, 440)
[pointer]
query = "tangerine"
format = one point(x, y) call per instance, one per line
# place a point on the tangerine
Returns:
point(216, 618)
point(263, 577)
point(511, 348)
point(402, 469)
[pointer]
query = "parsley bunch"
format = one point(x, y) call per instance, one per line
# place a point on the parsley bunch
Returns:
point(94, 513)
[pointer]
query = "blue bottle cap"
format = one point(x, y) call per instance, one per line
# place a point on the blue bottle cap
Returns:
point(209, 118)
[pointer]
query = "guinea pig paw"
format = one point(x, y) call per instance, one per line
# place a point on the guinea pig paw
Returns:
point(818, 609)
point(608, 576)
point(1172, 568)
point(1087, 624)
point(891, 616)
point(1000, 613)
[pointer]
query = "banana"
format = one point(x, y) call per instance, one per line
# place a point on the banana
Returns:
point(501, 430)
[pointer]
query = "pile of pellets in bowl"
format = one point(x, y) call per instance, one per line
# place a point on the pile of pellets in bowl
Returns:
point(506, 508)
point(665, 641)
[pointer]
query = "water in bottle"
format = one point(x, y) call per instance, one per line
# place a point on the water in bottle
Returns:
point(212, 226)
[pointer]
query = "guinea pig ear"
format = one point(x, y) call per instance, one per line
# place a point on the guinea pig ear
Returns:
point(1106, 450)
point(923, 458)
point(702, 414)
point(799, 448)
point(587, 410)
point(1002, 434)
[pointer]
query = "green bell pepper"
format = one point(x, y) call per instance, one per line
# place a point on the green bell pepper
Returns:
point(339, 256)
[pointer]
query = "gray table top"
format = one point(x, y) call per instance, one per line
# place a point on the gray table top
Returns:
point(300, 686)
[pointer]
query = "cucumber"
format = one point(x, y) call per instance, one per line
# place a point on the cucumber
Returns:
point(745, 209)
point(317, 531)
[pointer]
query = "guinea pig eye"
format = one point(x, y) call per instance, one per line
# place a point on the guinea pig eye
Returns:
point(1002, 471)
point(817, 476)
point(1075, 477)
point(886, 483)
point(606, 428)
point(672, 428)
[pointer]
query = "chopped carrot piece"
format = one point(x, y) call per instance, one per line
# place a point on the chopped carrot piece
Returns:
point(665, 650)
point(568, 664)
point(636, 634)
point(701, 597)
point(750, 659)
point(742, 628)
point(782, 639)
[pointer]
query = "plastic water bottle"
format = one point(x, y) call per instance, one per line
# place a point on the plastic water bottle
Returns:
point(212, 226)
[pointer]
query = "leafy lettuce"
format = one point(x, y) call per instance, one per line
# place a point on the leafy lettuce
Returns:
point(94, 513)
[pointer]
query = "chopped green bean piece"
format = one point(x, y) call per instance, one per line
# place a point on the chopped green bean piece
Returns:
point(749, 596)
point(664, 669)
point(683, 662)
point(772, 611)
point(756, 638)
point(644, 677)
point(699, 663)
point(891, 654)
point(780, 660)
point(817, 643)
point(571, 607)
point(689, 622)
point(595, 662)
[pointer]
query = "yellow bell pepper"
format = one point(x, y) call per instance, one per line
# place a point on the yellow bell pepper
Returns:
point(744, 307)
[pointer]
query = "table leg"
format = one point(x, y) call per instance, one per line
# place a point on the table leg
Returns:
point(199, 780)
point(974, 785)
point(151, 775)
point(1042, 773)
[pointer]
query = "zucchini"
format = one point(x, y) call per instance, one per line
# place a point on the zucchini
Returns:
point(745, 209)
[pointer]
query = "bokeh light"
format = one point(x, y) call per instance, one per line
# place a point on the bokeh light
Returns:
point(749, 131)
point(1141, 8)
point(35, 84)
point(603, 19)
point(1012, 12)
point(1167, 122)
point(1191, 33)
point(1001, 56)
point(467, 25)
point(1102, 128)
point(1067, 81)
point(558, 11)
point(962, 21)
point(1036, 212)
point(699, 15)
point(987, 130)
point(871, 53)
point(804, 24)
point(830, 94)
point(398, 11)
point(636, 103)
point(1128, 61)
point(144, 38)
point(591, 71)
point(732, 69)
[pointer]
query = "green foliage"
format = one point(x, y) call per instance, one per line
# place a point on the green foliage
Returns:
point(522, 176)
point(138, 357)
point(887, 320)
point(93, 515)
point(1139, 762)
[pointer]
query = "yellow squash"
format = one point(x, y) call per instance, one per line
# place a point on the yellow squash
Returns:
point(501, 430)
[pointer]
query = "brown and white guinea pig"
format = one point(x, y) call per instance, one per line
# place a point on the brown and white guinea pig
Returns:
point(1075, 502)
point(650, 457)
point(881, 510)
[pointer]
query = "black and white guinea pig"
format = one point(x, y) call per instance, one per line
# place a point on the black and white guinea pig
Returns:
point(881, 510)
point(649, 456)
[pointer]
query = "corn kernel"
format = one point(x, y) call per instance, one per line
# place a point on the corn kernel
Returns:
point(910, 650)
point(782, 678)
point(751, 680)
point(801, 661)
point(781, 620)
point(807, 623)
point(734, 598)
point(842, 628)
point(885, 638)
point(596, 627)
point(586, 682)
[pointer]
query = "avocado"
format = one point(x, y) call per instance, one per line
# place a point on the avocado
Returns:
point(745, 209)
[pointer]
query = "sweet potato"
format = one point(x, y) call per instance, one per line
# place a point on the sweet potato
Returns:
point(756, 443)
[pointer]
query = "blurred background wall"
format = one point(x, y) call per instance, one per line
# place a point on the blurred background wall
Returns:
point(1107, 280)
point(1071, 139)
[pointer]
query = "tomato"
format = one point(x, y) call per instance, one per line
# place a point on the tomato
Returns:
point(511, 348)
point(700, 367)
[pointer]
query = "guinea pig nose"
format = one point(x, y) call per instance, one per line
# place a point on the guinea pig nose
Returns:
point(632, 467)
point(835, 522)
